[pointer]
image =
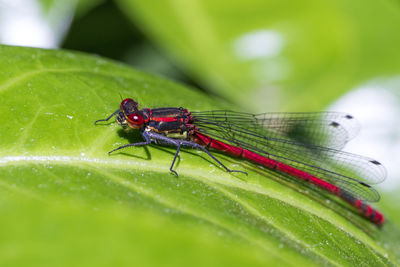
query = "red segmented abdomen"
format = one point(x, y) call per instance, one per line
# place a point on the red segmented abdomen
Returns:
point(370, 213)
point(366, 210)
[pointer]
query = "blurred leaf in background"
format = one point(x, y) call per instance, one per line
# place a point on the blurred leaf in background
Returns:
point(276, 55)
point(106, 31)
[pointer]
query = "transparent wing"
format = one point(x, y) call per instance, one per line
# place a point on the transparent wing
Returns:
point(328, 129)
point(347, 171)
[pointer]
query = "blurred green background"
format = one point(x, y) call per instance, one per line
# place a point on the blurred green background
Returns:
point(255, 55)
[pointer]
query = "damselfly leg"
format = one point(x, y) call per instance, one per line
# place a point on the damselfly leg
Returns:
point(147, 142)
point(109, 117)
point(180, 143)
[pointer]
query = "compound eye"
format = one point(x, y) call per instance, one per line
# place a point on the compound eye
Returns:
point(136, 119)
point(126, 100)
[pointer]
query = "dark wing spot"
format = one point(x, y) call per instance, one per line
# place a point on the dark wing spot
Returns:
point(349, 117)
point(375, 162)
point(364, 184)
point(334, 124)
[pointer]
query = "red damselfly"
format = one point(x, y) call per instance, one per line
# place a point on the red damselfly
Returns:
point(305, 146)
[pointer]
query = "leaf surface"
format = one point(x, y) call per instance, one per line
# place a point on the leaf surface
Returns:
point(64, 200)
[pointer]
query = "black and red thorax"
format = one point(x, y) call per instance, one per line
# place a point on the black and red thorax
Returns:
point(165, 121)
point(168, 120)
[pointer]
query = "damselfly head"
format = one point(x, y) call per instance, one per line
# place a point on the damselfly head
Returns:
point(130, 115)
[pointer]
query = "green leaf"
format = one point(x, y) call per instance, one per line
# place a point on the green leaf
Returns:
point(276, 55)
point(64, 201)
